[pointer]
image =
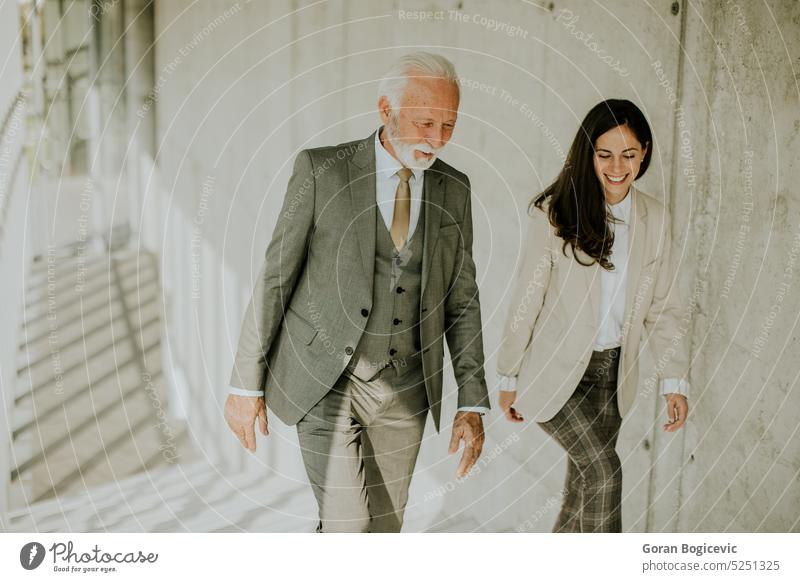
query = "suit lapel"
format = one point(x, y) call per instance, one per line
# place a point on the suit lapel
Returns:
point(636, 243)
point(591, 276)
point(636, 239)
point(433, 199)
point(361, 173)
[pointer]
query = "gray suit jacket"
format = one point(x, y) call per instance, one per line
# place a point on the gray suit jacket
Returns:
point(304, 319)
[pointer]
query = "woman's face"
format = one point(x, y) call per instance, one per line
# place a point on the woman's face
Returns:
point(617, 158)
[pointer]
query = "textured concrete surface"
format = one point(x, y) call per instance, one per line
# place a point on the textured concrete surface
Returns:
point(742, 225)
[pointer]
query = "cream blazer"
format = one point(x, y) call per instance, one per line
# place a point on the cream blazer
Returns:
point(552, 320)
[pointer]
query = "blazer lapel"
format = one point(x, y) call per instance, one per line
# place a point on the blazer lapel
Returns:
point(361, 172)
point(636, 239)
point(433, 199)
point(592, 277)
point(636, 242)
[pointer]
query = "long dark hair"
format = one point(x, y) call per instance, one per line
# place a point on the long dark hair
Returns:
point(577, 207)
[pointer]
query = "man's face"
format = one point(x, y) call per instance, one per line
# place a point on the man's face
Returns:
point(424, 123)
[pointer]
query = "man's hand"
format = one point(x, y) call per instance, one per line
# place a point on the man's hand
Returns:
point(506, 401)
point(241, 413)
point(677, 411)
point(467, 426)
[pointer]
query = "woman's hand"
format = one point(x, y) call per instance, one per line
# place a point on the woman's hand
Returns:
point(677, 410)
point(506, 400)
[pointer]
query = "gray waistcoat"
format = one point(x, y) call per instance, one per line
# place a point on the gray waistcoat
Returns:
point(392, 331)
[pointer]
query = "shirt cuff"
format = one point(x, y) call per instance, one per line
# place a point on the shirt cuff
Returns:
point(508, 384)
point(243, 392)
point(480, 409)
point(675, 386)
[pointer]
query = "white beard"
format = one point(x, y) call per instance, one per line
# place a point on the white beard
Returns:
point(405, 151)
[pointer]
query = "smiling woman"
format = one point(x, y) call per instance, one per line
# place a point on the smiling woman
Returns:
point(579, 377)
point(611, 149)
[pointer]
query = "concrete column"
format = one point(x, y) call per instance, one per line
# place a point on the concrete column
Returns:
point(109, 123)
point(139, 75)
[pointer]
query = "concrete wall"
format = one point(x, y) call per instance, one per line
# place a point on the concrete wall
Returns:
point(240, 87)
point(742, 249)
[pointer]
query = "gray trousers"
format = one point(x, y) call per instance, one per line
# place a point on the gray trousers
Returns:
point(360, 444)
point(587, 427)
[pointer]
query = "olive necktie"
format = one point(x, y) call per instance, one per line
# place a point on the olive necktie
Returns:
point(402, 209)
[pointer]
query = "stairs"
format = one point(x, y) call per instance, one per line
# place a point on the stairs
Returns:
point(194, 497)
point(88, 446)
point(198, 497)
point(90, 405)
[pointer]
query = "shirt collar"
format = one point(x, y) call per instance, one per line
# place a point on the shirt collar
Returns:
point(385, 164)
point(622, 209)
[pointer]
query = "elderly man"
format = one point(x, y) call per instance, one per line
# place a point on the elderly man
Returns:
point(369, 268)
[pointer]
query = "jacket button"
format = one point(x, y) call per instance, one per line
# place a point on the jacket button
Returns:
point(400, 290)
point(365, 312)
point(392, 352)
point(348, 350)
point(397, 321)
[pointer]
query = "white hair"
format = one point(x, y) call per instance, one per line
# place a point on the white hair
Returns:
point(420, 64)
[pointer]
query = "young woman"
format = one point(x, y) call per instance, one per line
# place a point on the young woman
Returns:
point(595, 279)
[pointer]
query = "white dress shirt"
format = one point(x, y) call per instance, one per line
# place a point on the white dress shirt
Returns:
point(386, 182)
point(612, 283)
point(612, 297)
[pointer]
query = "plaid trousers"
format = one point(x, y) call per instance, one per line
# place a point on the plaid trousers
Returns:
point(587, 427)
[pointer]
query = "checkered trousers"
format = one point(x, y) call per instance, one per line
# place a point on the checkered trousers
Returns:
point(587, 427)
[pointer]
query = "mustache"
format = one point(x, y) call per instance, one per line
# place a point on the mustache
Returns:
point(425, 148)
